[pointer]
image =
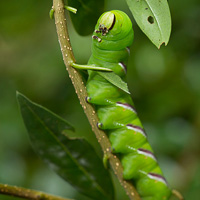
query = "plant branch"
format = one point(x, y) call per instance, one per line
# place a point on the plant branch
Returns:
point(68, 57)
point(27, 193)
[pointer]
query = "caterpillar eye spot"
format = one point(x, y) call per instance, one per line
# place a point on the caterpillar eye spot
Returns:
point(103, 30)
point(97, 31)
point(96, 38)
point(150, 19)
point(99, 39)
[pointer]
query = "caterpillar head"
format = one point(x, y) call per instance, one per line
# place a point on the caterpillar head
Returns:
point(106, 23)
point(113, 27)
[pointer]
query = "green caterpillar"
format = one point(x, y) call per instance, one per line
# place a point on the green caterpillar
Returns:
point(112, 38)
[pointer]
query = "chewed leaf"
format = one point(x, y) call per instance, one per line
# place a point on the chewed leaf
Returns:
point(73, 158)
point(154, 19)
point(115, 80)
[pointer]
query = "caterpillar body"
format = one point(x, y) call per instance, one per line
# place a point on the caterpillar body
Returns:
point(112, 38)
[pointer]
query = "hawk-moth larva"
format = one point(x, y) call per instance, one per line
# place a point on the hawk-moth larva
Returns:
point(112, 38)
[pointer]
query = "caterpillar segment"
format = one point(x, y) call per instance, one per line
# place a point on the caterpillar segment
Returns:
point(117, 115)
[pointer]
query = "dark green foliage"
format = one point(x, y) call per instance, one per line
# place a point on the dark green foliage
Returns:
point(88, 11)
point(68, 156)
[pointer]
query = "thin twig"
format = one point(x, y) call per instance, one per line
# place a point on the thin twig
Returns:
point(27, 193)
point(68, 57)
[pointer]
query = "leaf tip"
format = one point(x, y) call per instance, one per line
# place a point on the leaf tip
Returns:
point(19, 95)
point(161, 44)
point(21, 98)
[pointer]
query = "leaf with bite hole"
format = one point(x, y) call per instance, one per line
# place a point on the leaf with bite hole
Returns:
point(154, 19)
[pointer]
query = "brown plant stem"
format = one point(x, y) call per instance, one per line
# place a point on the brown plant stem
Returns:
point(68, 57)
point(27, 193)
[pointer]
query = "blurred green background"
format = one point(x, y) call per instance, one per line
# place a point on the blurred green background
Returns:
point(165, 86)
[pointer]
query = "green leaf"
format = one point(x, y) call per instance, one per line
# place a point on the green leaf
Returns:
point(115, 80)
point(72, 158)
point(88, 12)
point(154, 19)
